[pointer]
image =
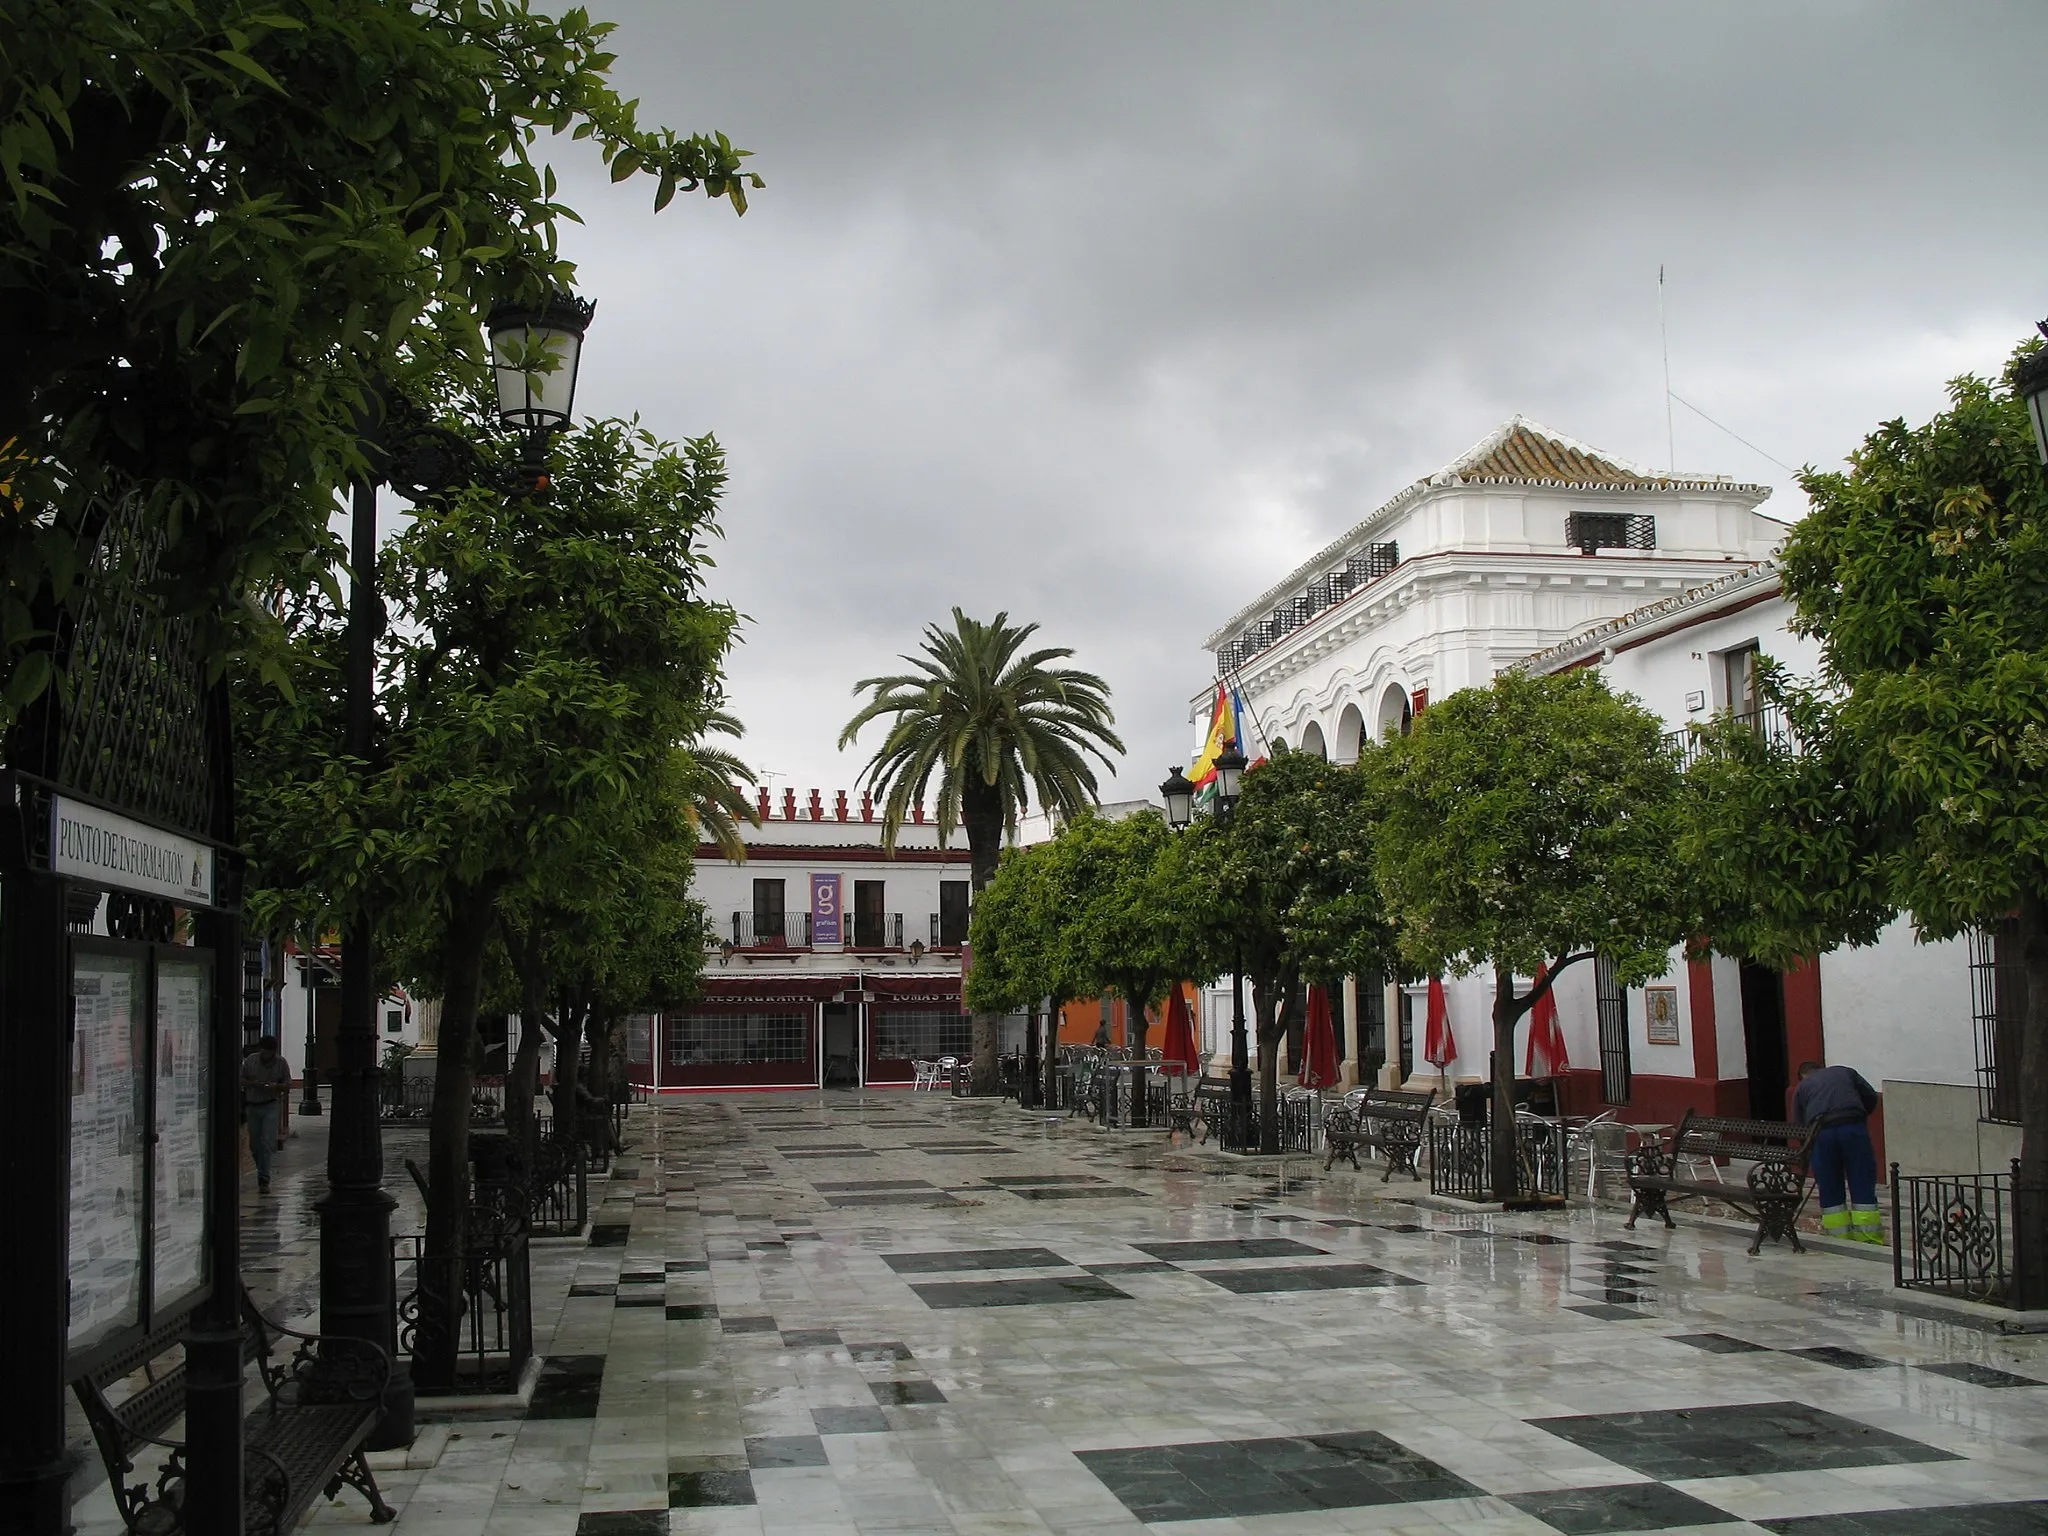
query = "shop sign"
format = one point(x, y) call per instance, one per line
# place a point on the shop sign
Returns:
point(108, 849)
point(825, 913)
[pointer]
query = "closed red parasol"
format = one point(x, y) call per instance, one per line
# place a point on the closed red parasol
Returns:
point(1439, 1045)
point(1318, 1042)
point(1546, 1055)
point(1180, 1032)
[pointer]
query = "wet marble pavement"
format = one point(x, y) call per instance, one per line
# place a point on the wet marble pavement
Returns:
point(909, 1313)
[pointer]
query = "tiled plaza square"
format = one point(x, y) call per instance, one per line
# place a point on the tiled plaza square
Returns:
point(752, 1341)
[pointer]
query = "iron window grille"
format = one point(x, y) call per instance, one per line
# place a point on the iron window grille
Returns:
point(1590, 531)
point(921, 1034)
point(1371, 990)
point(1998, 996)
point(1611, 1006)
point(725, 1039)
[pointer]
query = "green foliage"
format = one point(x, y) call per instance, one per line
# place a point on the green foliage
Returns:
point(1017, 935)
point(548, 663)
point(1529, 821)
point(996, 724)
point(1781, 865)
point(222, 219)
point(1923, 571)
point(1103, 907)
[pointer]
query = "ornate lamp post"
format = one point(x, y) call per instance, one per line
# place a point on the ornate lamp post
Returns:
point(2030, 382)
point(535, 352)
point(1179, 796)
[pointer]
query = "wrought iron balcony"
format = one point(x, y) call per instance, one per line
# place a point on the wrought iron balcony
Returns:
point(877, 930)
point(771, 930)
point(1767, 723)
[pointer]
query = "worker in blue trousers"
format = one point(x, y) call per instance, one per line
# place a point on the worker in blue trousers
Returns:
point(1835, 1105)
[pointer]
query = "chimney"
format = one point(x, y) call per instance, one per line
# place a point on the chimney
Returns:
point(867, 806)
point(817, 807)
point(761, 800)
point(841, 806)
point(789, 805)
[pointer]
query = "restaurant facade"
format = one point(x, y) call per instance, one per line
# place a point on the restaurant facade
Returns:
point(835, 961)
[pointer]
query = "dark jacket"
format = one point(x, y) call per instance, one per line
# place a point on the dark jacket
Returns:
point(1833, 1096)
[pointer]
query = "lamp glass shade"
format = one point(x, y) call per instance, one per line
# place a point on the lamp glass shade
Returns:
point(2030, 382)
point(535, 352)
point(1229, 773)
point(1179, 796)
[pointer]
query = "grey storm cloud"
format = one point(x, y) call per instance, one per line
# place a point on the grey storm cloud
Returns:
point(1109, 314)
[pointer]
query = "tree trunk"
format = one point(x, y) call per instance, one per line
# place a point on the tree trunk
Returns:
point(568, 1072)
point(2033, 1063)
point(522, 1076)
point(1268, 1002)
point(1506, 1183)
point(600, 1031)
point(981, 814)
point(1050, 1061)
point(442, 1266)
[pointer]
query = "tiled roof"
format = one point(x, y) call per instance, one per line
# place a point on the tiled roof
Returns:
point(1523, 451)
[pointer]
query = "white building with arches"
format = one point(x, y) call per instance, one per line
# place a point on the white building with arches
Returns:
point(1524, 541)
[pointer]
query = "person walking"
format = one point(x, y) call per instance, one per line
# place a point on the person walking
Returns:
point(264, 1076)
point(1835, 1104)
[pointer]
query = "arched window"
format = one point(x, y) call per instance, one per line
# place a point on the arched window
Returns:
point(1350, 735)
point(1312, 741)
point(1395, 713)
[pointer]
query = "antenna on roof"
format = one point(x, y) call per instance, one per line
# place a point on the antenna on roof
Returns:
point(1664, 335)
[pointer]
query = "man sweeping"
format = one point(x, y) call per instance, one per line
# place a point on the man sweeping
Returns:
point(1835, 1104)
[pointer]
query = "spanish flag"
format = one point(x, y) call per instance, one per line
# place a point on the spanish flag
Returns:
point(1224, 731)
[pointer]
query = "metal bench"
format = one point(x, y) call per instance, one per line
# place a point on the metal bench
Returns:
point(1386, 1120)
point(1771, 1195)
point(304, 1442)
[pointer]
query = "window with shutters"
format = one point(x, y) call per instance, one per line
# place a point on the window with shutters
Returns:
point(1998, 993)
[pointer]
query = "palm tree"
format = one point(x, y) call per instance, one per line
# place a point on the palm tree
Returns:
point(998, 725)
point(714, 804)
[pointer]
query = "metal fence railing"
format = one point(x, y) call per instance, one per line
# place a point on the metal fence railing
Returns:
point(495, 1335)
point(402, 1098)
point(1461, 1159)
point(1979, 1236)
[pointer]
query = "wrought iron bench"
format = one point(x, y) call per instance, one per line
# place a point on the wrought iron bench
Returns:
point(1771, 1195)
point(306, 1440)
point(1211, 1107)
point(1386, 1120)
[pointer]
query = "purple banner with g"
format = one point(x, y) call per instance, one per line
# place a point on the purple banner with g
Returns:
point(825, 909)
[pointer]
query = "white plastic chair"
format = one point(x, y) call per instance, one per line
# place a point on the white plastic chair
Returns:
point(927, 1075)
point(943, 1078)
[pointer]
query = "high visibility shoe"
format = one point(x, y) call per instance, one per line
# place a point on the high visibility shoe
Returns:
point(1866, 1224)
point(1835, 1222)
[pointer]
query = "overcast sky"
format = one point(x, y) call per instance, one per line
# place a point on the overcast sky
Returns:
point(1108, 314)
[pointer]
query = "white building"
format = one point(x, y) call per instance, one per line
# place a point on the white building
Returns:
point(1917, 1019)
point(835, 961)
point(1525, 540)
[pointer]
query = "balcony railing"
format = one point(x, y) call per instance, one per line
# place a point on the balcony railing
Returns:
point(945, 935)
point(771, 930)
point(1767, 723)
point(877, 930)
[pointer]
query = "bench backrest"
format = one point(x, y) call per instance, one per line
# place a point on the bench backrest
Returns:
point(1395, 1104)
point(1756, 1141)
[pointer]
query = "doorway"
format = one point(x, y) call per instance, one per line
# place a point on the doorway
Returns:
point(839, 1046)
point(1763, 1039)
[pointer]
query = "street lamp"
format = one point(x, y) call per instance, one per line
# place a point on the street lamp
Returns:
point(1179, 796)
point(2030, 381)
point(535, 350)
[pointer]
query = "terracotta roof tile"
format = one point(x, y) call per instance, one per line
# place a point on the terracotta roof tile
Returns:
point(1523, 453)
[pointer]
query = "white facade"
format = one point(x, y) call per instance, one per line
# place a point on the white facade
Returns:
point(1525, 540)
point(1899, 1011)
point(834, 961)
